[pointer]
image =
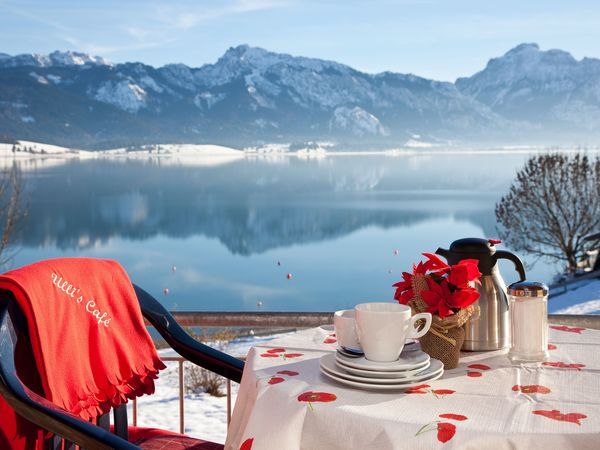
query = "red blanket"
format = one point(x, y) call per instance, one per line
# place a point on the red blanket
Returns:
point(88, 338)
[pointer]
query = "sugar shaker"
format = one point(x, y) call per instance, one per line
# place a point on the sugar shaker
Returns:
point(528, 317)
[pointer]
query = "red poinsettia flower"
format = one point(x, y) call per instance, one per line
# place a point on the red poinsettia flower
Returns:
point(404, 290)
point(442, 300)
point(435, 264)
point(317, 397)
point(276, 380)
point(531, 389)
point(555, 414)
point(473, 374)
point(445, 431)
point(449, 287)
point(464, 272)
point(290, 373)
point(494, 241)
point(330, 340)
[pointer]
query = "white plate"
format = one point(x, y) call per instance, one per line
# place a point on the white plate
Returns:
point(328, 365)
point(386, 387)
point(376, 374)
point(407, 361)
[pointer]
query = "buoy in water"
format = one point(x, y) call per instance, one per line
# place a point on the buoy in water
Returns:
point(289, 276)
point(166, 291)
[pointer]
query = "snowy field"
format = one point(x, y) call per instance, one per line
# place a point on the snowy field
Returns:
point(205, 415)
point(581, 298)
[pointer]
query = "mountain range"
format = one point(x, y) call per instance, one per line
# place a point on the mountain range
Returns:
point(252, 96)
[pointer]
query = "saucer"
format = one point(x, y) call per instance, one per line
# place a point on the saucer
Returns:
point(329, 365)
point(376, 374)
point(407, 361)
point(385, 387)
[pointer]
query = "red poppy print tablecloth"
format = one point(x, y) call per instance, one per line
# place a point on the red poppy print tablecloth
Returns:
point(485, 403)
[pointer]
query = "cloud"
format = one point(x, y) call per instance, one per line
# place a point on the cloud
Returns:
point(100, 49)
point(184, 18)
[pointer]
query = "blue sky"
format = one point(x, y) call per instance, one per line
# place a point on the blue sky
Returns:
point(441, 39)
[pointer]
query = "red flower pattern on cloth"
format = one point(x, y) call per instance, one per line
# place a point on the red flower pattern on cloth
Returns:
point(330, 340)
point(445, 430)
point(310, 397)
point(531, 389)
point(279, 353)
point(577, 330)
point(479, 366)
point(247, 444)
point(289, 373)
point(422, 389)
point(551, 347)
point(276, 380)
point(555, 414)
point(458, 417)
point(562, 365)
point(474, 373)
point(316, 397)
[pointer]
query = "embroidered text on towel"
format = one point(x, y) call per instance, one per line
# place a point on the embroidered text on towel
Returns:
point(74, 292)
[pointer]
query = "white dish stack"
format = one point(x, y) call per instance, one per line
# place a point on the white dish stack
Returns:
point(414, 367)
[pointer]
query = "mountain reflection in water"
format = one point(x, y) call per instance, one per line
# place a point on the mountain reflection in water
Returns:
point(260, 211)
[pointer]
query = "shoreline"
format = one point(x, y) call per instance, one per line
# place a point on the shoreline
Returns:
point(216, 154)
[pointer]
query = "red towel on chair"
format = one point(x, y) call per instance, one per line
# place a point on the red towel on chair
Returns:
point(88, 337)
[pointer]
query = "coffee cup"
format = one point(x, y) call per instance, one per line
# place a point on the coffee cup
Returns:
point(382, 329)
point(345, 329)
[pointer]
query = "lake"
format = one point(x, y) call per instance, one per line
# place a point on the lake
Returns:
point(224, 236)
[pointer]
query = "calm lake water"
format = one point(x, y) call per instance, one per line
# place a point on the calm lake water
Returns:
point(224, 237)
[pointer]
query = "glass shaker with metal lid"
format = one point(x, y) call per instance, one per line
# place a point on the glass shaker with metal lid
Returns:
point(528, 311)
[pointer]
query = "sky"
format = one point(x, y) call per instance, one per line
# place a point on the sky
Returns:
point(439, 39)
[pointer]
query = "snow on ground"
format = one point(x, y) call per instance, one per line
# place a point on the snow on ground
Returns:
point(581, 298)
point(205, 415)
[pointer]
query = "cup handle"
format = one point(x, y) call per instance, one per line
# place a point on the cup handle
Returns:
point(412, 330)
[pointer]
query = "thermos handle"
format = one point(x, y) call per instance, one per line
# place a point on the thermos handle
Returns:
point(503, 254)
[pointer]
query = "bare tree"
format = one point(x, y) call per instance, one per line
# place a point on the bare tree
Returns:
point(11, 207)
point(551, 206)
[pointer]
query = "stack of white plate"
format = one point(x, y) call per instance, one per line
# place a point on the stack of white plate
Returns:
point(411, 369)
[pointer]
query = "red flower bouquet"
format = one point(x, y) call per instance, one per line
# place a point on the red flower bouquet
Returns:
point(449, 294)
point(445, 289)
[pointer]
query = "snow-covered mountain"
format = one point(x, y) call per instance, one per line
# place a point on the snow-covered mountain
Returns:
point(548, 89)
point(252, 95)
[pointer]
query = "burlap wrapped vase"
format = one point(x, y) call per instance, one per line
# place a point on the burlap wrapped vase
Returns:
point(446, 336)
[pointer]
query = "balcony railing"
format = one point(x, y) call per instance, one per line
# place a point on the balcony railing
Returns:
point(291, 321)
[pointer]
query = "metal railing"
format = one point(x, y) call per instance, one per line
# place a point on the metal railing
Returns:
point(291, 321)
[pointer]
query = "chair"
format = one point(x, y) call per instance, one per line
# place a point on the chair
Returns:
point(68, 428)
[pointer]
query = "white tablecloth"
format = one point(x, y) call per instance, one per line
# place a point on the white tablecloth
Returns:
point(485, 403)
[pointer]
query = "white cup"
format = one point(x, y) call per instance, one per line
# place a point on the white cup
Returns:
point(345, 329)
point(383, 328)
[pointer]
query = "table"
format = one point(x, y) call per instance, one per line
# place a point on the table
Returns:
point(485, 403)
